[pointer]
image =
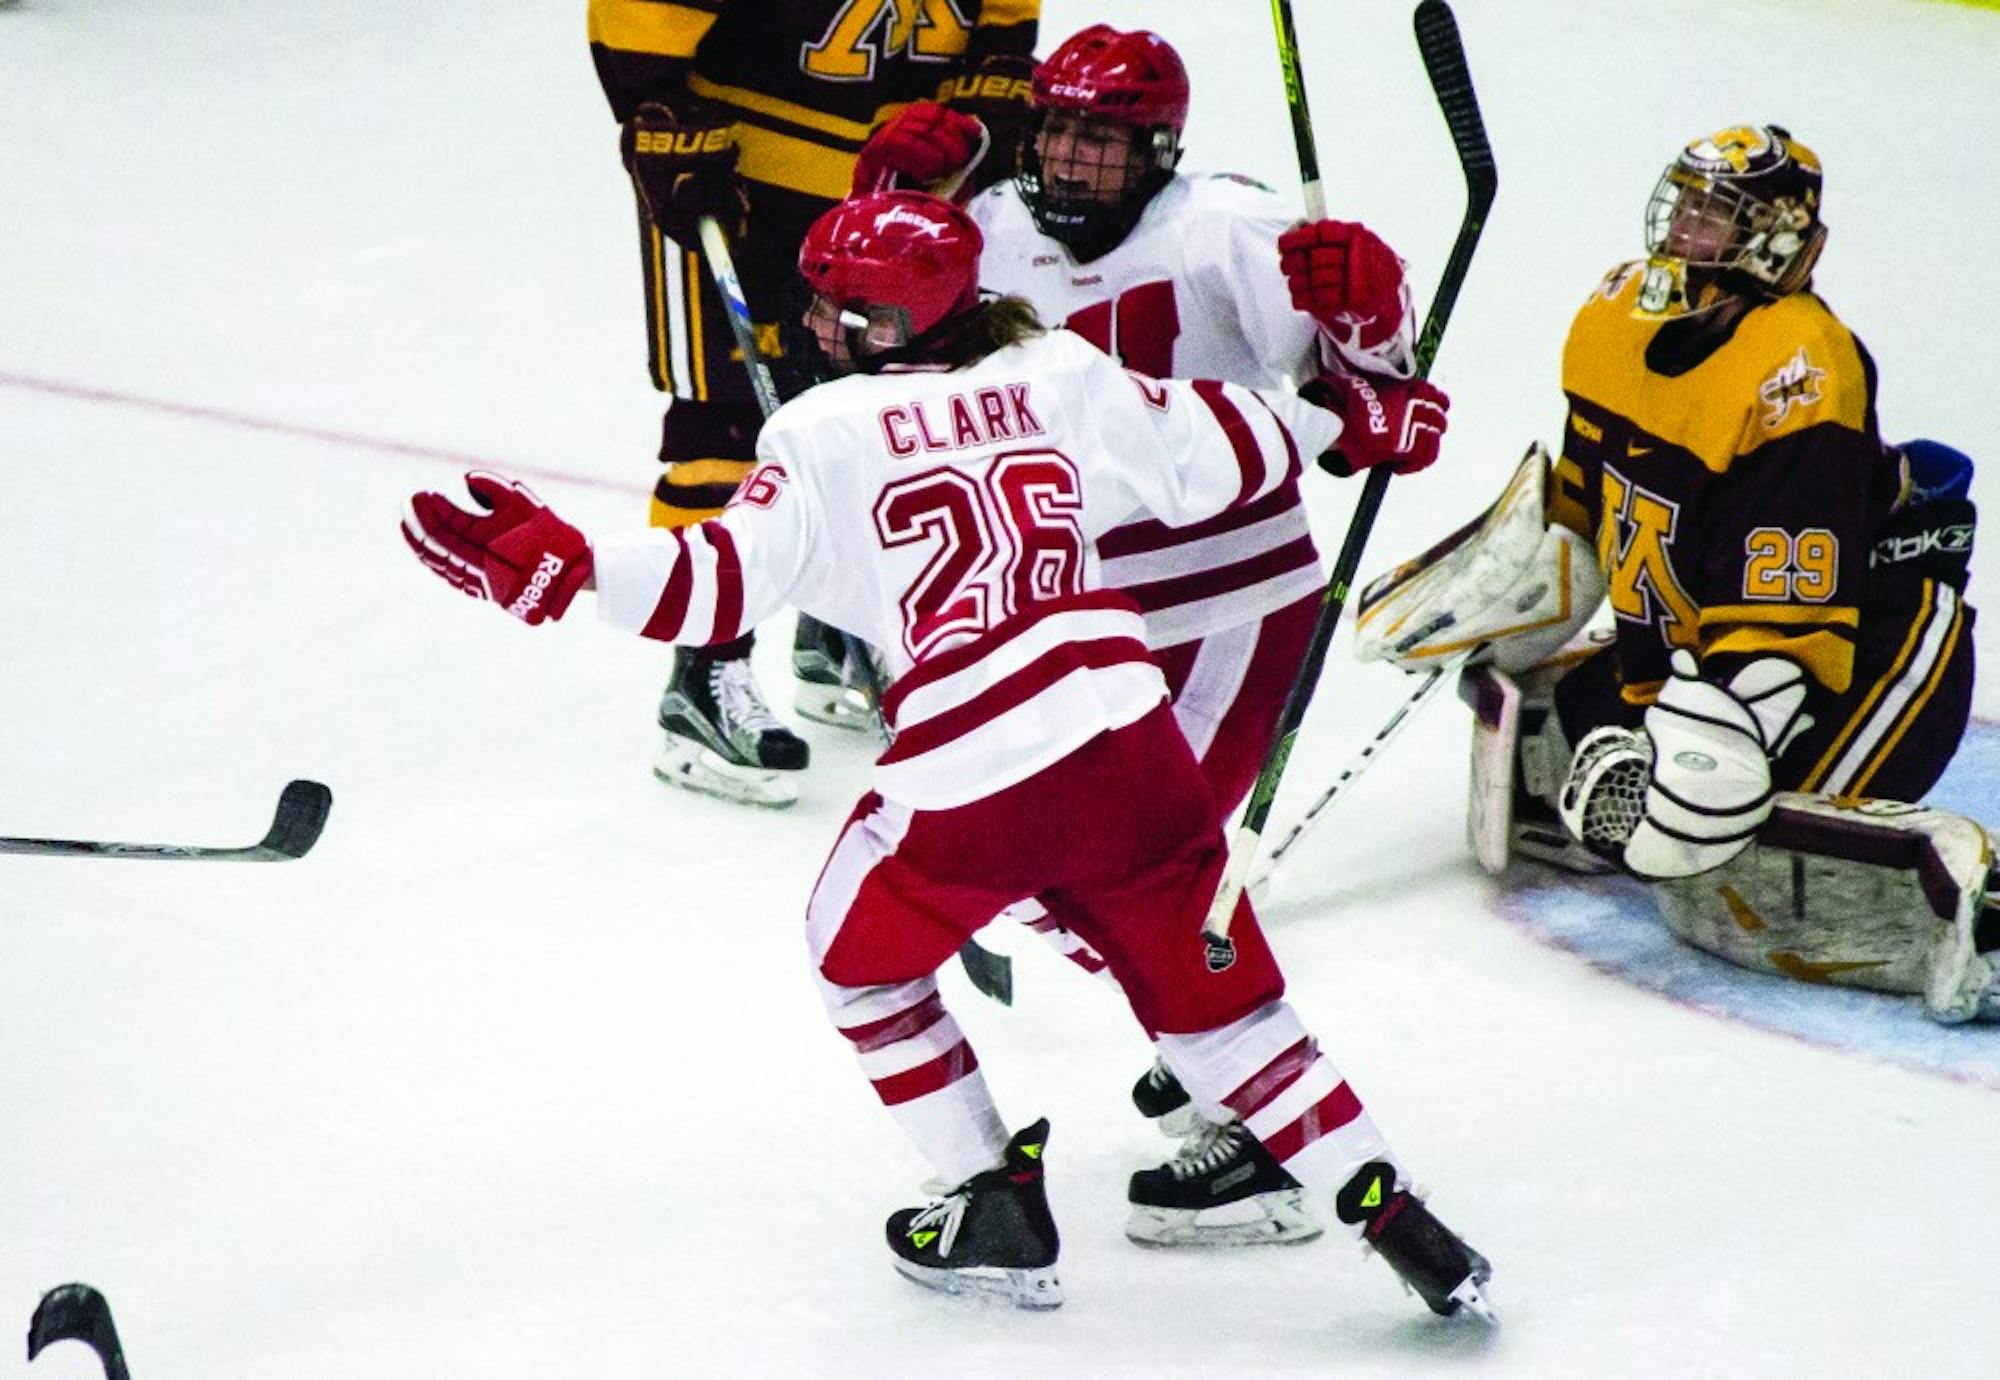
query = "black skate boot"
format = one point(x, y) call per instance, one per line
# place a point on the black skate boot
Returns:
point(1222, 1189)
point(1162, 1100)
point(836, 685)
point(992, 1235)
point(1440, 1269)
point(721, 738)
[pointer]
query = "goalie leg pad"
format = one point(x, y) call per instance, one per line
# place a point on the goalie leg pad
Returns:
point(1857, 893)
point(1495, 698)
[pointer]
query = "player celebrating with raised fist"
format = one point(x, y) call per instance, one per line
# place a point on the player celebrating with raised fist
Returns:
point(945, 495)
point(1186, 274)
point(1791, 634)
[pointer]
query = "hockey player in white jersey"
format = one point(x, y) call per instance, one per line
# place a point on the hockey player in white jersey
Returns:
point(1185, 275)
point(945, 498)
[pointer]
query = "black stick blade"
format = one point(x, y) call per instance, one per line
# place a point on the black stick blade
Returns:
point(303, 807)
point(1444, 59)
point(77, 1312)
point(991, 973)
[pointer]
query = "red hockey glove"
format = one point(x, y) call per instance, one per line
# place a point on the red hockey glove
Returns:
point(924, 144)
point(1343, 276)
point(684, 165)
point(1394, 422)
point(516, 553)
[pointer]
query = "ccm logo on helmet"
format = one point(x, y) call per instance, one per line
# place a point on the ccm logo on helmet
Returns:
point(538, 585)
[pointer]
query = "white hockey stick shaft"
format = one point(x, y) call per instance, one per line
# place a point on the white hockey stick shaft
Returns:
point(722, 267)
point(1260, 880)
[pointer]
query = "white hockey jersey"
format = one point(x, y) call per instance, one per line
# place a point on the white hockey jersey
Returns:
point(1195, 291)
point(952, 518)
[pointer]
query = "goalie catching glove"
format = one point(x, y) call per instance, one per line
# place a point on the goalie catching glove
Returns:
point(515, 552)
point(1706, 755)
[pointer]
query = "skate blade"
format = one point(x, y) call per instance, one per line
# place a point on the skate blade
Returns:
point(1182, 1122)
point(694, 767)
point(1280, 1218)
point(1470, 1297)
point(835, 706)
point(1038, 1289)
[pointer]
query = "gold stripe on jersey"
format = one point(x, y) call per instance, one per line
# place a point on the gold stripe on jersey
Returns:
point(656, 293)
point(711, 471)
point(1792, 356)
point(1804, 632)
point(790, 112)
point(693, 491)
point(1564, 506)
point(1915, 706)
point(697, 361)
point(800, 165)
point(1875, 692)
point(656, 27)
point(1641, 691)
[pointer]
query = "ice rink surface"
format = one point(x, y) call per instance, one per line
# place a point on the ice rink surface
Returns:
point(521, 1074)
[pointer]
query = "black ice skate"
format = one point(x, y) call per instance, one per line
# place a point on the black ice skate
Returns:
point(992, 1235)
point(1162, 1100)
point(1222, 1189)
point(1440, 1269)
point(837, 682)
point(721, 738)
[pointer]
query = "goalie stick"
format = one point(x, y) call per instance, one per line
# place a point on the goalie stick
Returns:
point(991, 973)
point(78, 1313)
point(302, 810)
point(1444, 60)
point(1261, 879)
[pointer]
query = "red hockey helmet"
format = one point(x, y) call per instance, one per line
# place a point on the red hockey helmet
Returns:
point(1109, 110)
point(1740, 209)
point(1131, 78)
point(893, 265)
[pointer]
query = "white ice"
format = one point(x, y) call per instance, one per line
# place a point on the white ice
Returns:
point(520, 1074)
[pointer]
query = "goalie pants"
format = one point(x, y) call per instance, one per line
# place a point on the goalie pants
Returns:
point(1121, 835)
point(1228, 689)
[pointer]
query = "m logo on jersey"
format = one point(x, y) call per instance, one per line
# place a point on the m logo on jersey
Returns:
point(1634, 545)
point(864, 32)
point(1795, 383)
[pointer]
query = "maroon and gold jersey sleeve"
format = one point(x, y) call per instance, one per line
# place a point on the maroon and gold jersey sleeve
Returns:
point(1732, 494)
point(644, 49)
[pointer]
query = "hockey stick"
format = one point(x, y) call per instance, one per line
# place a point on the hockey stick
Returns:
point(1261, 879)
point(78, 1313)
point(302, 811)
point(1451, 81)
point(991, 973)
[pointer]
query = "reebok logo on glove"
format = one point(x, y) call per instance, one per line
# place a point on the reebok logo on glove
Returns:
point(1378, 420)
point(509, 548)
point(538, 585)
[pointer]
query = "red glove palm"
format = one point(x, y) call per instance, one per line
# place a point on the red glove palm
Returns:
point(516, 553)
point(924, 144)
point(1396, 422)
point(1343, 276)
